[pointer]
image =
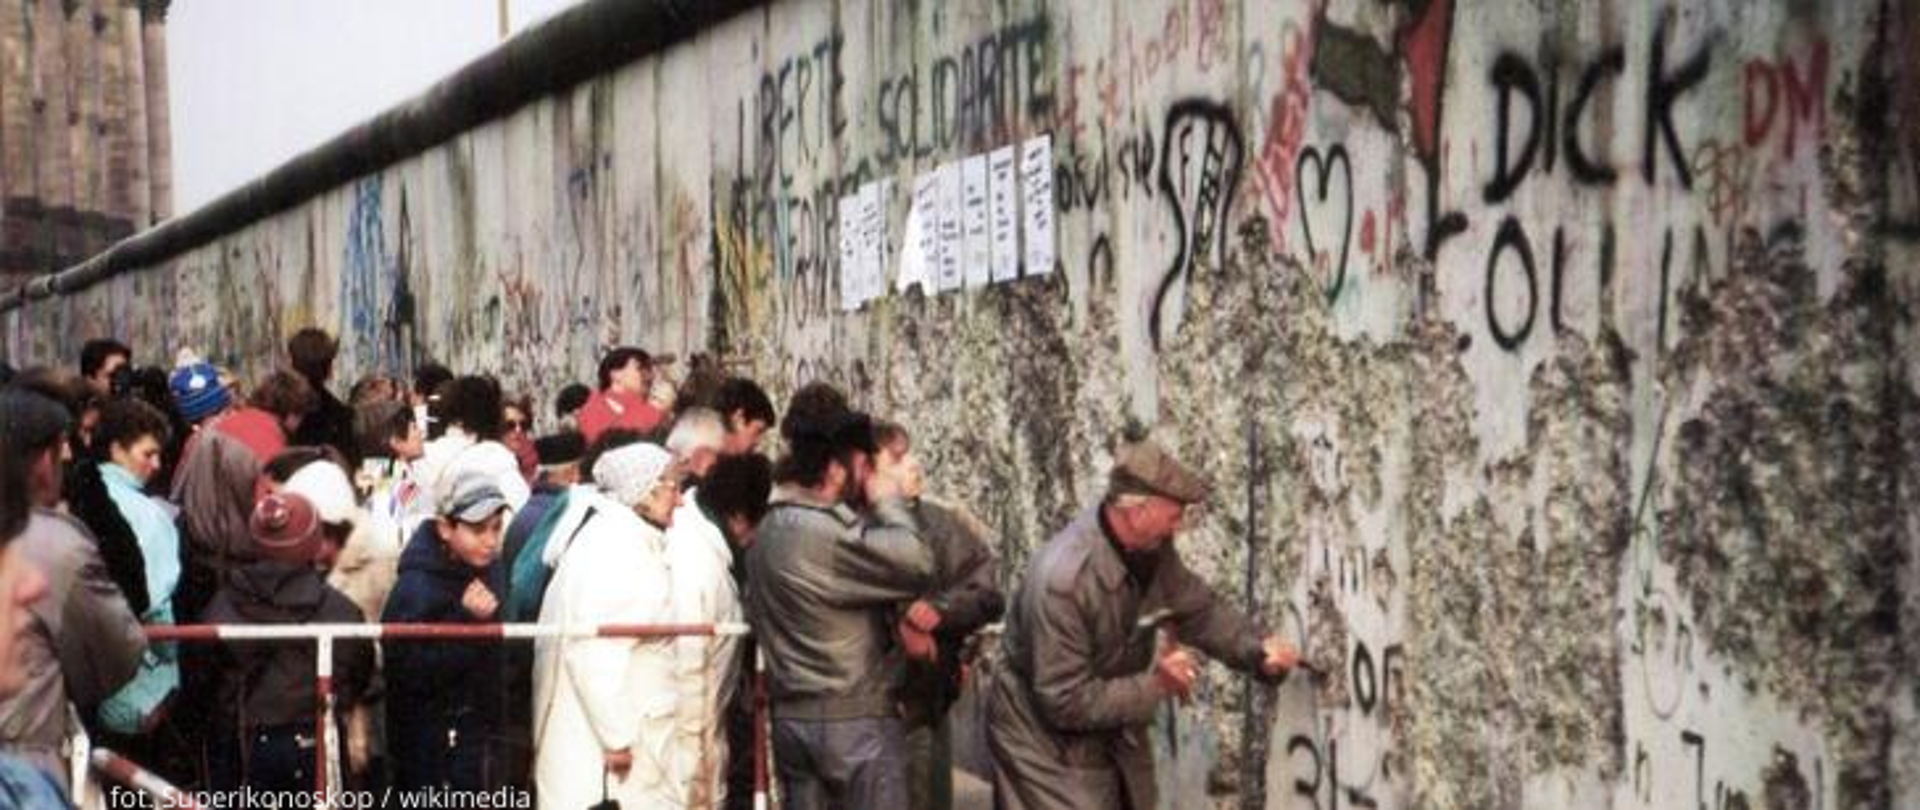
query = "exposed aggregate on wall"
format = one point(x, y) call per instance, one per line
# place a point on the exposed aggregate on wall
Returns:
point(1554, 362)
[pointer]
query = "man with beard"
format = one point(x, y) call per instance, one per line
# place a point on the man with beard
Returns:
point(824, 580)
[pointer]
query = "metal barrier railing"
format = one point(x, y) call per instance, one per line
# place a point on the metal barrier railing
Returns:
point(326, 753)
point(129, 773)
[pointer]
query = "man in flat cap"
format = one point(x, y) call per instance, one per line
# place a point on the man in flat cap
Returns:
point(1083, 675)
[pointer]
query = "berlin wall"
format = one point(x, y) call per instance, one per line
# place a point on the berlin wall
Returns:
point(1554, 362)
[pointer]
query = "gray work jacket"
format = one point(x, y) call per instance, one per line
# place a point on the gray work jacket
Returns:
point(821, 582)
point(1069, 709)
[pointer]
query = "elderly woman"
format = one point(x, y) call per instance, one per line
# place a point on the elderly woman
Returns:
point(603, 708)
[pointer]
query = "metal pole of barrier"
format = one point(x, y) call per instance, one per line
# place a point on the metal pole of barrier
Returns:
point(762, 731)
point(129, 773)
point(322, 740)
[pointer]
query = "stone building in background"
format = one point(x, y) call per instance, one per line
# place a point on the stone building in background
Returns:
point(85, 147)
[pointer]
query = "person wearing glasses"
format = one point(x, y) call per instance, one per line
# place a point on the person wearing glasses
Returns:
point(603, 708)
point(516, 432)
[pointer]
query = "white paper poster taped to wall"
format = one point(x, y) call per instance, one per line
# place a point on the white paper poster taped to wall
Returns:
point(1036, 173)
point(863, 237)
point(950, 237)
point(1003, 189)
point(849, 252)
point(977, 255)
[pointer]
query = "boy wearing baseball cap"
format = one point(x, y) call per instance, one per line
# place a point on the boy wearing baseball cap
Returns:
point(444, 714)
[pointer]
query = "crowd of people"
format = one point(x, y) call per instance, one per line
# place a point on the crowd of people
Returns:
point(145, 496)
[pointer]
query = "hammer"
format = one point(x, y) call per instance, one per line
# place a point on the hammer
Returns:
point(1161, 619)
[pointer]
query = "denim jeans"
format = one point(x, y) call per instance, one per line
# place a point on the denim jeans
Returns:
point(855, 764)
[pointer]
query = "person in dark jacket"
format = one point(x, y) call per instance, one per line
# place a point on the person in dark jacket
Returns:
point(964, 598)
point(330, 423)
point(265, 713)
point(85, 490)
point(520, 573)
point(443, 722)
point(1081, 677)
point(735, 497)
point(519, 579)
point(823, 579)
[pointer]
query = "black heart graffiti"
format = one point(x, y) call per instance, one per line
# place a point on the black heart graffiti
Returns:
point(1323, 167)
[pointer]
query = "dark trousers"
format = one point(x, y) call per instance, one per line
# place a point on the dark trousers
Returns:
point(739, 726)
point(930, 765)
point(854, 764)
point(269, 759)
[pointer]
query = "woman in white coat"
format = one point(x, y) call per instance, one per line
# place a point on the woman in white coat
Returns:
point(603, 708)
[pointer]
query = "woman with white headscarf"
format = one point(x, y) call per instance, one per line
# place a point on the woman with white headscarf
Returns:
point(603, 708)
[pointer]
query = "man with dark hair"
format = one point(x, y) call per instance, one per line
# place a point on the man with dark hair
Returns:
point(427, 380)
point(964, 598)
point(626, 378)
point(84, 642)
point(734, 498)
point(100, 359)
point(823, 579)
point(1081, 678)
point(567, 404)
point(330, 421)
point(748, 411)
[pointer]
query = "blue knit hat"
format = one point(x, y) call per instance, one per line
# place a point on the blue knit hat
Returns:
point(198, 392)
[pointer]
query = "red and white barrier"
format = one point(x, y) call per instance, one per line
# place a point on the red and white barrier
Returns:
point(326, 754)
point(128, 773)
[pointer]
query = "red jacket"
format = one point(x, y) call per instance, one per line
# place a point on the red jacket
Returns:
point(610, 408)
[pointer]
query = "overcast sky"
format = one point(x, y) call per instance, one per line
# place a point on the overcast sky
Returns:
point(256, 82)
